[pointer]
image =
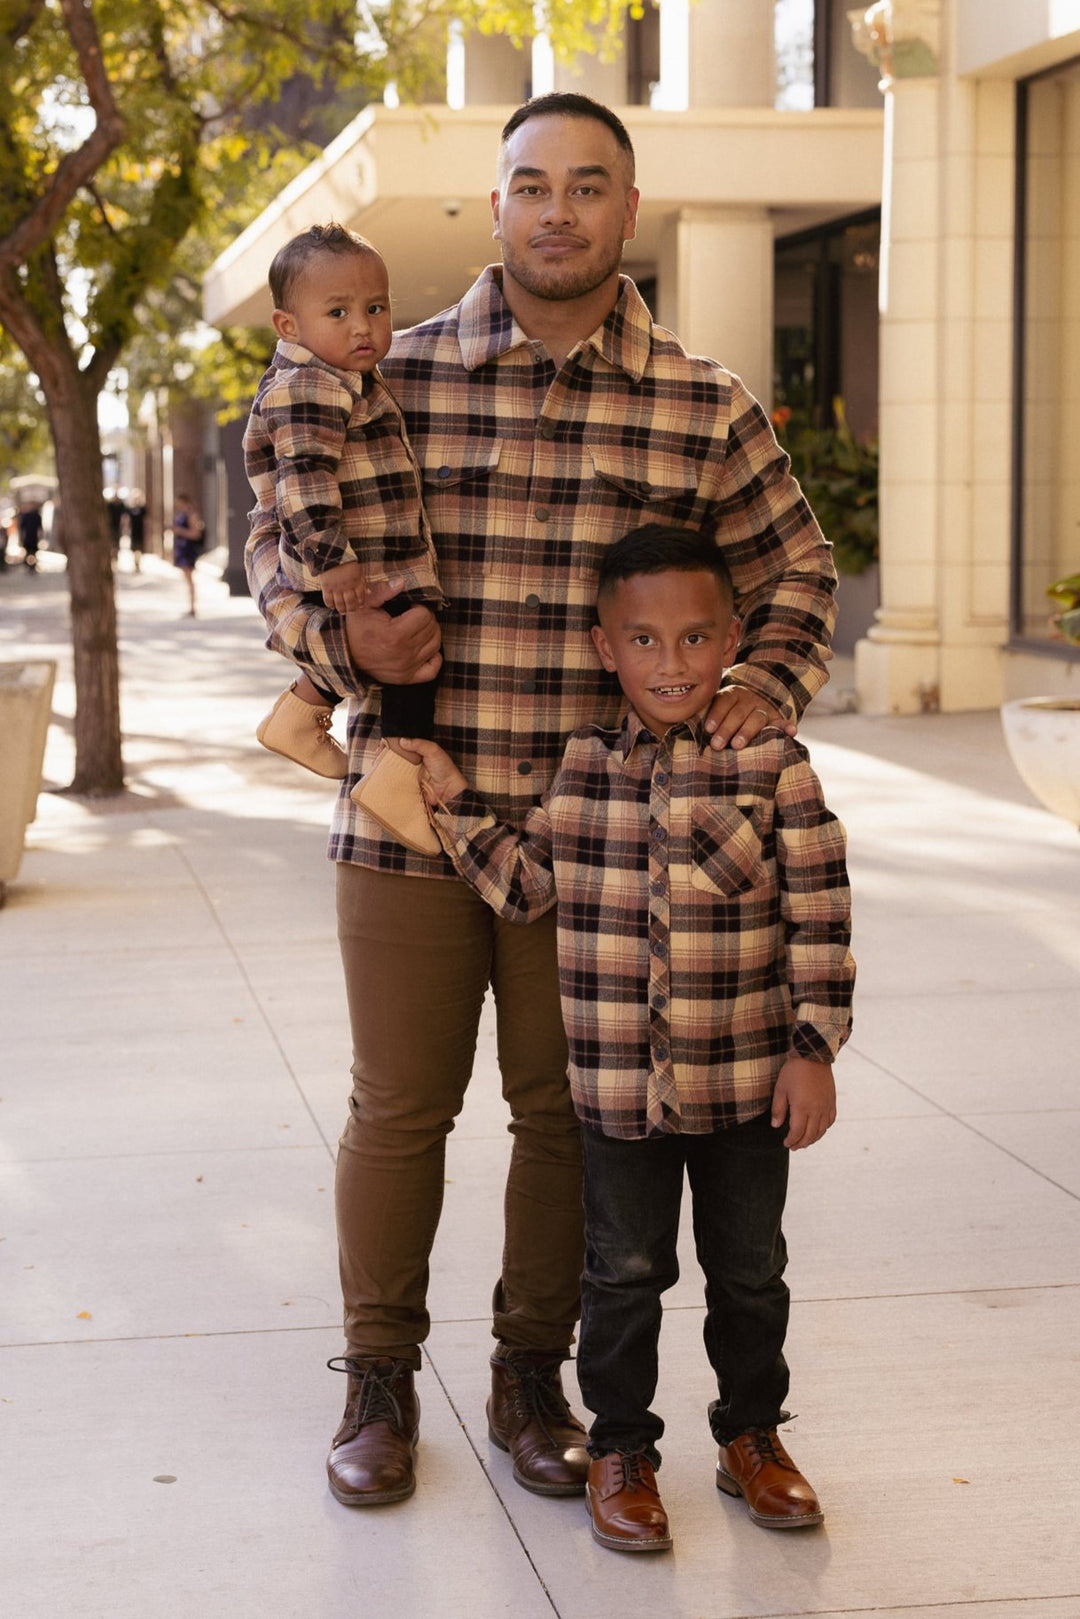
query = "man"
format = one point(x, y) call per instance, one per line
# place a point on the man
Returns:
point(549, 416)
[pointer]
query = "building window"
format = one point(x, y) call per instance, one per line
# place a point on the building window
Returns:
point(817, 64)
point(1046, 469)
point(826, 322)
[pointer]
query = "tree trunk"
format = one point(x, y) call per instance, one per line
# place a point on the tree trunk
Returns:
point(99, 766)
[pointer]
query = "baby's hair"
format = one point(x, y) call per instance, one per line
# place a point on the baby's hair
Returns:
point(658, 548)
point(292, 260)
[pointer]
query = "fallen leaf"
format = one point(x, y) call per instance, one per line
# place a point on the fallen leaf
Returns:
point(84, 1315)
point(961, 1481)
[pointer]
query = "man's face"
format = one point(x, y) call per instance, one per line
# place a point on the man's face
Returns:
point(564, 206)
point(669, 637)
point(340, 310)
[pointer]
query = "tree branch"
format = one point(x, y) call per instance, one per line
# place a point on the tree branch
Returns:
point(74, 170)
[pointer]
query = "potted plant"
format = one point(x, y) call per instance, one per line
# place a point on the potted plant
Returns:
point(838, 474)
point(1043, 733)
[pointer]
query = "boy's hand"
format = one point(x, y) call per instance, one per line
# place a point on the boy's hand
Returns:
point(395, 651)
point(737, 715)
point(440, 778)
point(804, 1099)
point(344, 588)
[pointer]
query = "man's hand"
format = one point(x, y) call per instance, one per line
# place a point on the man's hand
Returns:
point(394, 651)
point(804, 1099)
point(738, 714)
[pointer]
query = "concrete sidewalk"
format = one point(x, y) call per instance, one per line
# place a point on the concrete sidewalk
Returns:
point(174, 1051)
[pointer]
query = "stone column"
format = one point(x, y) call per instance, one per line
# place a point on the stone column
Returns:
point(897, 667)
point(716, 289)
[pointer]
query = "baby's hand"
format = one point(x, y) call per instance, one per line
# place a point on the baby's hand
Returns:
point(344, 588)
point(440, 778)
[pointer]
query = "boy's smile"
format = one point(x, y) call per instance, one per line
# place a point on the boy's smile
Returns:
point(668, 636)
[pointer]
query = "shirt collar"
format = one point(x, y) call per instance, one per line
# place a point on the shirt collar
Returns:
point(487, 329)
point(290, 354)
point(635, 731)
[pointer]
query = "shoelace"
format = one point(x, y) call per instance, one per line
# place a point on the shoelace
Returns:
point(765, 1443)
point(535, 1394)
point(632, 1478)
point(324, 721)
point(375, 1399)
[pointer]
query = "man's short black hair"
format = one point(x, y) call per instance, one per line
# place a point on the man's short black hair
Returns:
point(570, 104)
point(659, 548)
point(292, 260)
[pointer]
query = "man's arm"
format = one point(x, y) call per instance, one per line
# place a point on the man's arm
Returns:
point(785, 582)
point(344, 654)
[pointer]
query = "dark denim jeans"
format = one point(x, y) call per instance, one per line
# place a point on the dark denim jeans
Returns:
point(633, 1189)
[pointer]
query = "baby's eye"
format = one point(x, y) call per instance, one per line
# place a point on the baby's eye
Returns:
point(337, 313)
point(641, 640)
point(376, 309)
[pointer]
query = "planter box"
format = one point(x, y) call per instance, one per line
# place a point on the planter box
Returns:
point(25, 707)
point(1043, 738)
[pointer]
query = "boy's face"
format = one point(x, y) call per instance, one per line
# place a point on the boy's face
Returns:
point(669, 637)
point(340, 310)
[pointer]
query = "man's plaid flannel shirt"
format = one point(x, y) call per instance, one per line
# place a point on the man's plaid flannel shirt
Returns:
point(528, 474)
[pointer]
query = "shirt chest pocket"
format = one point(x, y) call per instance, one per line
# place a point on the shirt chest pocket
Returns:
point(726, 854)
point(629, 488)
point(459, 496)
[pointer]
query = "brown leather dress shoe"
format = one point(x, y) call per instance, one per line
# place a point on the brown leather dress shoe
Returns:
point(756, 1466)
point(625, 1506)
point(371, 1457)
point(529, 1417)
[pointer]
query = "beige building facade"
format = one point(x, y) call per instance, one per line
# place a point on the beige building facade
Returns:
point(961, 119)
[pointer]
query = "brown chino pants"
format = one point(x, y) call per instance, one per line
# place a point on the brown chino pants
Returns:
point(418, 956)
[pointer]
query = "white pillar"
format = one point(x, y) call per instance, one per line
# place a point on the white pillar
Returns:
point(897, 667)
point(715, 280)
point(731, 54)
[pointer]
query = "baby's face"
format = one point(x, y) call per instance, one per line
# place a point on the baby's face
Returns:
point(340, 310)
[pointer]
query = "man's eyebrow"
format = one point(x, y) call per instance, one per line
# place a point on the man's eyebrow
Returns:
point(522, 172)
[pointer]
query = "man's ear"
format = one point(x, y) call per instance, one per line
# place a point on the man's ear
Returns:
point(284, 324)
point(600, 641)
point(495, 215)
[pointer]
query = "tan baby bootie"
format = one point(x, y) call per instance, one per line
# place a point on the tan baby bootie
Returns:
point(391, 794)
point(301, 731)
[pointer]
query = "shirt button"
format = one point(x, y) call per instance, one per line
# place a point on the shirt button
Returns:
point(661, 1054)
point(547, 430)
point(658, 834)
point(660, 948)
point(659, 1002)
point(661, 778)
point(542, 514)
point(524, 768)
point(532, 600)
point(443, 472)
point(528, 685)
point(646, 489)
point(659, 887)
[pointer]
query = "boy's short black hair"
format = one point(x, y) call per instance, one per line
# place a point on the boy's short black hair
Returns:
point(658, 548)
point(570, 104)
point(292, 260)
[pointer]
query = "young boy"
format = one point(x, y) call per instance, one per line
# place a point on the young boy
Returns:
point(703, 924)
point(326, 446)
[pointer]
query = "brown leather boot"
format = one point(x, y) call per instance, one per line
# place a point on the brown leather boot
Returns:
point(757, 1467)
point(624, 1504)
point(529, 1417)
point(371, 1457)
